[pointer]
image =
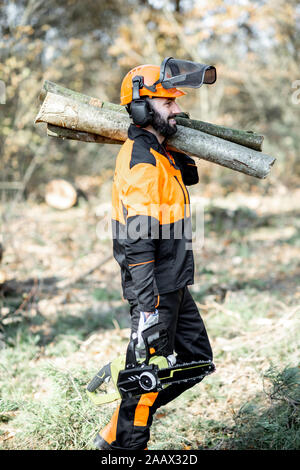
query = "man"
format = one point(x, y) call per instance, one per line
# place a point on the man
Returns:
point(151, 242)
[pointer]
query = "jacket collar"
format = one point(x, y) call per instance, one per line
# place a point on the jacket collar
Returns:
point(134, 132)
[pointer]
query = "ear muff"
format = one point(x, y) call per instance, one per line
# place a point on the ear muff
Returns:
point(139, 111)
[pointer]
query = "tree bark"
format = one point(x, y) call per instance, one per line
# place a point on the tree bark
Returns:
point(78, 116)
point(64, 133)
point(222, 152)
point(60, 90)
point(245, 138)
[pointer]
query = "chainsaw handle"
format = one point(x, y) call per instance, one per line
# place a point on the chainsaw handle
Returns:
point(100, 377)
point(159, 345)
point(131, 360)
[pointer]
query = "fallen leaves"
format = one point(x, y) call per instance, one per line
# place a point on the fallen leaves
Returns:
point(8, 433)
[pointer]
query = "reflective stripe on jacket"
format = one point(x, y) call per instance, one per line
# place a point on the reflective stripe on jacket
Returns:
point(151, 218)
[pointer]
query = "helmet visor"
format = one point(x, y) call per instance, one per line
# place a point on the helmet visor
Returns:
point(184, 73)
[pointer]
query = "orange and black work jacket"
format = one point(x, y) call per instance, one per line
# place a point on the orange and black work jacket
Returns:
point(151, 218)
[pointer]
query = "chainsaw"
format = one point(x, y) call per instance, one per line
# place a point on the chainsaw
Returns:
point(132, 378)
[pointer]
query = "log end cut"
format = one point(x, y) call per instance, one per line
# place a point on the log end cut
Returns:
point(60, 194)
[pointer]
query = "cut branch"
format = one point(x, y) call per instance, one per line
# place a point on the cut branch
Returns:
point(222, 152)
point(76, 115)
point(60, 90)
point(64, 133)
point(245, 138)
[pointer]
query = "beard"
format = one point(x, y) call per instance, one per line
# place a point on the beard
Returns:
point(162, 125)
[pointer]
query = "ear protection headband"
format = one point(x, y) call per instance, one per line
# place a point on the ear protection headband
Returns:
point(139, 109)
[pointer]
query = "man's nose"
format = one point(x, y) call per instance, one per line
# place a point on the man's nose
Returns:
point(175, 108)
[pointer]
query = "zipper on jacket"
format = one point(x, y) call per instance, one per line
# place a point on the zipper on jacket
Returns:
point(184, 195)
point(165, 153)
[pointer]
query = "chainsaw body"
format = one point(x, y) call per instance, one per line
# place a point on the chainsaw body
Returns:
point(132, 378)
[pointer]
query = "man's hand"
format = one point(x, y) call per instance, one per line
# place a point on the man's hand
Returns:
point(147, 319)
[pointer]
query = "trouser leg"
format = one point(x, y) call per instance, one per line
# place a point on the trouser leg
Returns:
point(190, 342)
point(188, 338)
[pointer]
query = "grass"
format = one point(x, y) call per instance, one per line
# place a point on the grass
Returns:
point(65, 420)
point(49, 404)
point(272, 422)
point(247, 290)
point(43, 402)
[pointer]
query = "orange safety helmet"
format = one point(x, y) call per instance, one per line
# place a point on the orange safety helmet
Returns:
point(151, 75)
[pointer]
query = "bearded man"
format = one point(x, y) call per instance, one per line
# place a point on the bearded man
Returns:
point(152, 244)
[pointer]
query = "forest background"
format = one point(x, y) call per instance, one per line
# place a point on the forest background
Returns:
point(61, 310)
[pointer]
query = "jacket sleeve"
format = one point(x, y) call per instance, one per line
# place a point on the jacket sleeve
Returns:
point(141, 200)
point(187, 167)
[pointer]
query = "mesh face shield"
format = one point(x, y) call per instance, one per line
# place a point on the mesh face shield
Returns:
point(184, 73)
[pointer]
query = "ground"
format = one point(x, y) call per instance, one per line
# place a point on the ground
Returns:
point(63, 318)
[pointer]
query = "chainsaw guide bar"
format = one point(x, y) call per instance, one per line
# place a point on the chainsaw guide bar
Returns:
point(149, 378)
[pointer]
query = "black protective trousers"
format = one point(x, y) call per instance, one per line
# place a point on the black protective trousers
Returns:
point(188, 338)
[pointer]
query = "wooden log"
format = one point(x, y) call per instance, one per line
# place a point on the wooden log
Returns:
point(246, 138)
point(65, 112)
point(222, 152)
point(64, 133)
point(60, 90)
point(60, 194)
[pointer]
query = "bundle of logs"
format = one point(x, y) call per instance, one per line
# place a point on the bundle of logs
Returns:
point(72, 115)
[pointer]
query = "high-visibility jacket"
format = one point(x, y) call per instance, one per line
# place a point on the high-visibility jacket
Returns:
point(151, 218)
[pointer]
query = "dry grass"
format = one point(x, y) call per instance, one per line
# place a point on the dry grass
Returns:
point(247, 289)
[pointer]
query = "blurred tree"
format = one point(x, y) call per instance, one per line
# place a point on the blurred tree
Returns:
point(255, 47)
point(67, 44)
point(89, 47)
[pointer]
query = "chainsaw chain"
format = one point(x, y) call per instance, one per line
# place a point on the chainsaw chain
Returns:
point(191, 379)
